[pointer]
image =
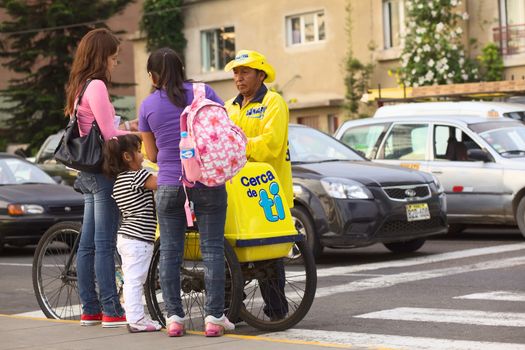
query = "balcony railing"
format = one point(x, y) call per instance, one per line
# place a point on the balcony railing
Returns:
point(511, 39)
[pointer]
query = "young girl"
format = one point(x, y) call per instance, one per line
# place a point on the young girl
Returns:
point(136, 235)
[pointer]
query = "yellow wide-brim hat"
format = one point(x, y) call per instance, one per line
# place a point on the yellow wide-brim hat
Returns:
point(252, 59)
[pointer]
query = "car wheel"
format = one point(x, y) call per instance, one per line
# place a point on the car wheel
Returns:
point(455, 229)
point(520, 216)
point(304, 226)
point(405, 247)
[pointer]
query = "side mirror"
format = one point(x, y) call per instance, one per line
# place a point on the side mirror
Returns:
point(480, 155)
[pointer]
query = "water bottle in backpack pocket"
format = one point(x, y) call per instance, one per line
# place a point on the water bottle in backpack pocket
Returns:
point(190, 163)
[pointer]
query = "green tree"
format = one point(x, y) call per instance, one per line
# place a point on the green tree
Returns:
point(433, 52)
point(491, 63)
point(38, 42)
point(162, 22)
point(357, 80)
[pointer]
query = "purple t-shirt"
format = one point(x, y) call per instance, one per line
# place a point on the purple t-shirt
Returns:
point(161, 117)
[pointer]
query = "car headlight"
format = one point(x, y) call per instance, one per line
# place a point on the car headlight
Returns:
point(345, 188)
point(24, 209)
point(439, 186)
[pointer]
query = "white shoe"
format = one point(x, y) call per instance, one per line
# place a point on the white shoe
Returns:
point(144, 325)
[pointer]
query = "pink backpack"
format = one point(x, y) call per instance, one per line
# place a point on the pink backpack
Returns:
point(220, 145)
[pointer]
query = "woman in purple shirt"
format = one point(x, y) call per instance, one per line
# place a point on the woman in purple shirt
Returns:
point(159, 122)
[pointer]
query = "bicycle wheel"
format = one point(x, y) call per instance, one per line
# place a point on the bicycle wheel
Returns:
point(261, 283)
point(55, 285)
point(192, 285)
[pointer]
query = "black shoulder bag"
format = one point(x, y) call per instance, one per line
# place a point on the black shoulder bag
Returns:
point(82, 153)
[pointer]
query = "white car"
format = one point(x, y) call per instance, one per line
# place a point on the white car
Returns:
point(475, 149)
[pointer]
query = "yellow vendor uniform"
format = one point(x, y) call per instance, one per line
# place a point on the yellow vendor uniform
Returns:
point(265, 122)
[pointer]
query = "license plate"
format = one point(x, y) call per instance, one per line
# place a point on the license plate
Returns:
point(417, 212)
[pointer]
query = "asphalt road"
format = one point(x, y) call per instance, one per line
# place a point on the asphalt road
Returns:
point(466, 292)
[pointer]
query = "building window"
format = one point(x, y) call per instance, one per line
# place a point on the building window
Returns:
point(511, 31)
point(311, 121)
point(217, 48)
point(393, 14)
point(305, 28)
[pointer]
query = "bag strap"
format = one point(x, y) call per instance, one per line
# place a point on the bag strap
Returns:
point(79, 98)
point(187, 209)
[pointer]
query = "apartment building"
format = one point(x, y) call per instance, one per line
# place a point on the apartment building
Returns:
point(307, 42)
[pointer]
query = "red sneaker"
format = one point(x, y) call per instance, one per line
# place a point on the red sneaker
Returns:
point(90, 320)
point(113, 321)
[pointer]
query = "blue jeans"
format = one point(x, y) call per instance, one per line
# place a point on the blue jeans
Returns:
point(96, 251)
point(210, 209)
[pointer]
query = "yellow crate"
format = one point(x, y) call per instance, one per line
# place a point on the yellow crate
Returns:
point(257, 230)
point(258, 222)
point(192, 248)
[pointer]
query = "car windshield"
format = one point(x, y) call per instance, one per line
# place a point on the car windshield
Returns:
point(507, 140)
point(18, 172)
point(309, 145)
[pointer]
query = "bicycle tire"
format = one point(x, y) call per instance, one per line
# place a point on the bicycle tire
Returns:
point(299, 289)
point(49, 298)
point(192, 287)
point(55, 289)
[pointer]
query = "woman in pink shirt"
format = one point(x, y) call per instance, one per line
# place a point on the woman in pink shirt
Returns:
point(95, 59)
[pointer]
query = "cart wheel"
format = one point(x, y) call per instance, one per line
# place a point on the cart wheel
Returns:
point(192, 286)
point(274, 303)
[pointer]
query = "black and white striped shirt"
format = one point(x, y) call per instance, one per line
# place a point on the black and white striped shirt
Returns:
point(136, 204)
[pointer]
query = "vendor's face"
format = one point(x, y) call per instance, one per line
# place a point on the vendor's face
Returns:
point(247, 80)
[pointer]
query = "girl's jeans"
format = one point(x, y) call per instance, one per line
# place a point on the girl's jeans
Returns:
point(136, 257)
point(210, 209)
point(96, 251)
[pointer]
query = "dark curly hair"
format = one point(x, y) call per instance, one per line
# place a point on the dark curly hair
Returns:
point(114, 149)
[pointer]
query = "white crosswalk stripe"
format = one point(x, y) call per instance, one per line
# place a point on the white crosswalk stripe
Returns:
point(351, 340)
point(499, 295)
point(467, 317)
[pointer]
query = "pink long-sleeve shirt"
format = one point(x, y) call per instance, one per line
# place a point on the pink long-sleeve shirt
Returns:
point(95, 105)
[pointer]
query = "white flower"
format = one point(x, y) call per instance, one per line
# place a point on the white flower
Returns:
point(421, 80)
point(459, 30)
point(439, 27)
point(427, 48)
point(454, 47)
point(431, 63)
point(420, 6)
point(461, 61)
point(418, 40)
point(438, 47)
point(454, 2)
point(417, 59)
point(413, 71)
point(465, 16)
point(450, 75)
point(433, 13)
point(464, 76)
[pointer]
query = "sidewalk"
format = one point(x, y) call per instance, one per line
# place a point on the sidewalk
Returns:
point(17, 332)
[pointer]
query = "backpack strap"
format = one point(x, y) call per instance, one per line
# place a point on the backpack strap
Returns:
point(187, 209)
point(199, 91)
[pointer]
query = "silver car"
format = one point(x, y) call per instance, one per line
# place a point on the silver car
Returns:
point(479, 158)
